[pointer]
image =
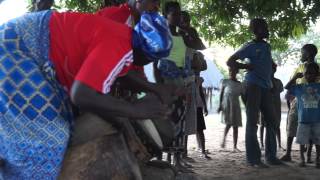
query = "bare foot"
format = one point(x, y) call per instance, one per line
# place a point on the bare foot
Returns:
point(302, 164)
point(180, 168)
point(309, 161)
point(281, 148)
point(185, 164)
point(205, 156)
point(286, 158)
point(236, 150)
point(223, 145)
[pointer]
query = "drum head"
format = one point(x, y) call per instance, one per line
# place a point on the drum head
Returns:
point(151, 131)
point(166, 130)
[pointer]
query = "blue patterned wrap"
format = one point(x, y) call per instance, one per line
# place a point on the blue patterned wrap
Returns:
point(35, 112)
point(152, 36)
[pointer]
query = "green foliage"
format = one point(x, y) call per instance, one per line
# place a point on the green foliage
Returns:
point(226, 21)
point(86, 5)
point(292, 54)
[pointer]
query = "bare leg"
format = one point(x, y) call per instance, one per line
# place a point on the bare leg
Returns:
point(302, 160)
point(279, 138)
point(287, 156)
point(226, 130)
point(309, 151)
point(318, 156)
point(202, 143)
point(261, 136)
point(235, 139)
point(185, 146)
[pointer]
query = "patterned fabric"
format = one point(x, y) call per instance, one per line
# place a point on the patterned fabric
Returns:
point(169, 69)
point(35, 113)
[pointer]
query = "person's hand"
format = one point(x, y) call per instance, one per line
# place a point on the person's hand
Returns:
point(150, 108)
point(168, 93)
point(298, 75)
point(219, 109)
point(249, 67)
point(205, 111)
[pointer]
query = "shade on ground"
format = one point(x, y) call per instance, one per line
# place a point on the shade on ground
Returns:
point(227, 165)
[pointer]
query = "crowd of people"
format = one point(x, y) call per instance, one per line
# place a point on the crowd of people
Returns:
point(68, 78)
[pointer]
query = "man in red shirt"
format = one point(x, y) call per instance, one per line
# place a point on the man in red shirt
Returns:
point(87, 52)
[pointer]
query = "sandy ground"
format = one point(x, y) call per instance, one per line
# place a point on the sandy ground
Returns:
point(226, 164)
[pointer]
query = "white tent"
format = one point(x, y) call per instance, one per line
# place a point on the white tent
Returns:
point(212, 76)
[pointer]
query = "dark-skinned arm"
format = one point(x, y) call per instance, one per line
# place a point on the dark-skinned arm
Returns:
point(292, 81)
point(221, 99)
point(156, 72)
point(164, 92)
point(203, 100)
point(232, 62)
point(106, 106)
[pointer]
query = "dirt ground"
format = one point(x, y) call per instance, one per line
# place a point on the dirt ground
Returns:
point(226, 164)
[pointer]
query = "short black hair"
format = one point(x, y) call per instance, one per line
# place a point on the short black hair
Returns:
point(185, 14)
point(257, 23)
point(170, 6)
point(311, 48)
point(51, 1)
point(312, 66)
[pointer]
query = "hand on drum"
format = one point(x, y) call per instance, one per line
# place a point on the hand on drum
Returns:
point(205, 111)
point(168, 93)
point(150, 107)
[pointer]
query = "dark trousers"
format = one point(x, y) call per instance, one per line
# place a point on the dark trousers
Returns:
point(259, 99)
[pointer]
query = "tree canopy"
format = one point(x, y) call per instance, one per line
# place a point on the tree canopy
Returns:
point(226, 21)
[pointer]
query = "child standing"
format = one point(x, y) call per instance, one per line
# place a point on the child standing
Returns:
point(201, 110)
point(276, 90)
point(258, 96)
point(308, 54)
point(308, 99)
point(229, 105)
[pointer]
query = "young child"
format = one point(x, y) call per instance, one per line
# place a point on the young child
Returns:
point(170, 71)
point(190, 35)
point(308, 54)
point(201, 110)
point(229, 105)
point(41, 5)
point(258, 96)
point(276, 90)
point(308, 99)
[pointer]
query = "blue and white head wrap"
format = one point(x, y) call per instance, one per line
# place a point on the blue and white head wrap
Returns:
point(152, 35)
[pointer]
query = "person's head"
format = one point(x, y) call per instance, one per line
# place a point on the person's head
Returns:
point(140, 6)
point(259, 28)
point(233, 72)
point(308, 53)
point(274, 68)
point(198, 62)
point(172, 12)
point(311, 72)
point(40, 5)
point(185, 19)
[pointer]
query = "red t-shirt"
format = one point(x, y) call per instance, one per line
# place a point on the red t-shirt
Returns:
point(89, 48)
point(121, 14)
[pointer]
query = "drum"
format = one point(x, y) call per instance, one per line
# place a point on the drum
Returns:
point(148, 135)
point(157, 134)
point(106, 157)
